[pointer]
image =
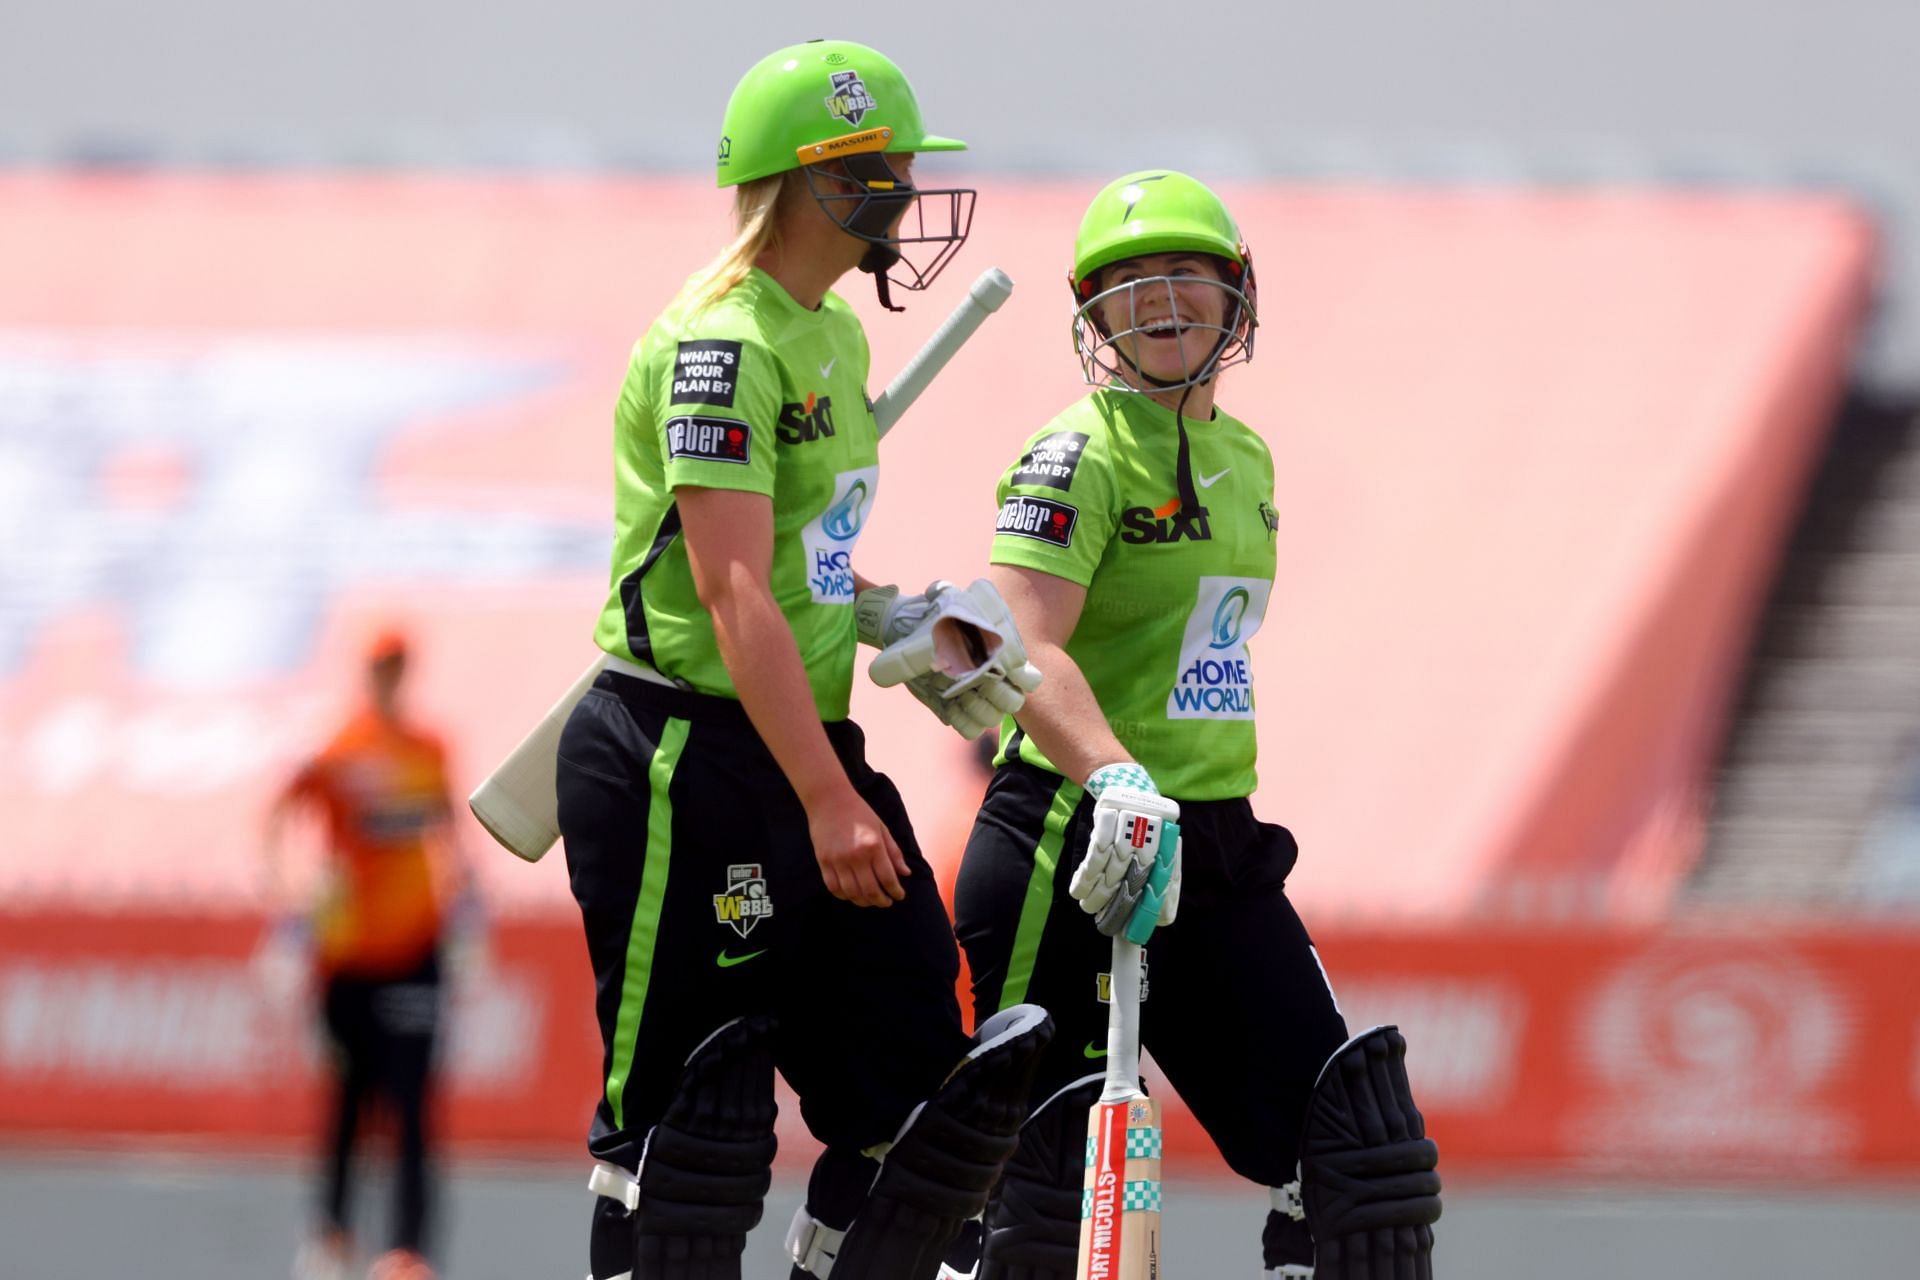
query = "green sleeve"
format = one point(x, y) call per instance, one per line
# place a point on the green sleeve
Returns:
point(1057, 504)
point(719, 399)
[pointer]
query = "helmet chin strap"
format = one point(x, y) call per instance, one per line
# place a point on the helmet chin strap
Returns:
point(887, 194)
point(879, 259)
point(1183, 470)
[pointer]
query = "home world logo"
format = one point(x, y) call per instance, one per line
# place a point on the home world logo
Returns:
point(1214, 680)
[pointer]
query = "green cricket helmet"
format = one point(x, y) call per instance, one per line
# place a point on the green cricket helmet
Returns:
point(819, 101)
point(836, 109)
point(1157, 211)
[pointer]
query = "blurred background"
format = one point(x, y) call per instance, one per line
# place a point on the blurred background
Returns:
point(1589, 357)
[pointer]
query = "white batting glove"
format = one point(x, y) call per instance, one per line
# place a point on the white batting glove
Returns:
point(1130, 879)
point(958, 652)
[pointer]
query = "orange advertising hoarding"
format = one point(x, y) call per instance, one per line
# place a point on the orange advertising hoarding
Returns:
point(1681, 1051)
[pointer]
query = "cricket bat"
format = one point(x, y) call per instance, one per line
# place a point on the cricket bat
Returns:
point(1120, 1200)
point(516, 802)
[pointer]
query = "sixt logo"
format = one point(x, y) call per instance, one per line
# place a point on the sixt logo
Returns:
point(746, 902)
point(802, 423)
point(1164, 524)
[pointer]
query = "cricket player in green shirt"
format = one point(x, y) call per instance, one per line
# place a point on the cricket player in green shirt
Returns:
point(1136, 546)
point(752, 893)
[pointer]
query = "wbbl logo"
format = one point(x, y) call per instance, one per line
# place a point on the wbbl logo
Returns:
point(746, 902)
point(849, 100)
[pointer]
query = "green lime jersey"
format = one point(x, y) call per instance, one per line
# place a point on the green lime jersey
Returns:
point(752, 392)
point(1172, 594)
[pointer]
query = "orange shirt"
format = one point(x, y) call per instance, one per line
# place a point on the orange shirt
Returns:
point(382, 787)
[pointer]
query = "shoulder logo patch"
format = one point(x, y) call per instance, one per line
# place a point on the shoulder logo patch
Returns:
point(1052, 460)
point(710, 439)
point(706, 372)
point(1041, 519)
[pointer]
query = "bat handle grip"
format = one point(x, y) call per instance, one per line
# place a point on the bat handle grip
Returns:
point(983, 299)
point(1123, 1020)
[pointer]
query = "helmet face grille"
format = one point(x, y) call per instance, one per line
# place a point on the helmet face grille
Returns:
point(864, 199)
point(1109, 351)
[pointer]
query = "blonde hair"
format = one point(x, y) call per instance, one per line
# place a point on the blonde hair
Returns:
point(756, 223)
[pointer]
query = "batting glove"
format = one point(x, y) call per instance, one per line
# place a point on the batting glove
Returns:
point(958, 652)
point(1129, 882)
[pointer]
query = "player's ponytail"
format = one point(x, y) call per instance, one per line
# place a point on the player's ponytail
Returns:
point(756, 222)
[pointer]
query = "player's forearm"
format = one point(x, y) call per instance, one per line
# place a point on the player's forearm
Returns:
point(1064, 718)
point(761, 657)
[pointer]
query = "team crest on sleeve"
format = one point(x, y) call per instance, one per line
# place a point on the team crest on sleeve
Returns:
point(849, 100)
point(746, 902)
point(1052, 460)
point(1041, 519)
point(710, 439)
point(706, 372)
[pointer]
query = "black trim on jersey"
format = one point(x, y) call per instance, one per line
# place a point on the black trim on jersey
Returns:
point(630, 602)
point(1014, 740)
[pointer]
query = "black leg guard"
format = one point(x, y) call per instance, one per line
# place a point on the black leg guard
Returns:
point(1367, 1168)
point(708, 1162)
point(836, 1190)
point(610, 1242)
point(1033, 1221)
point(1286, 1246)
point(949, 1154)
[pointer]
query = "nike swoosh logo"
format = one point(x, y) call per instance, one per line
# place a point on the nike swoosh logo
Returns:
point(726, 961)
point(826, 370)
point(1091, 1052)
point(1206, 482)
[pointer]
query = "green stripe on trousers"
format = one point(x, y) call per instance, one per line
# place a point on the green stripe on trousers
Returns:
point(1039, 899)
point(646, 914)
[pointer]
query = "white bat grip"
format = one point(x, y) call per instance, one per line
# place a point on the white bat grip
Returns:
point(982, 300)
point(1123, 1022)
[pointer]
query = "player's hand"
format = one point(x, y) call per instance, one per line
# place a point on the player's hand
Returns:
point(958, 652)
point(1129, 882)
point(858, 858)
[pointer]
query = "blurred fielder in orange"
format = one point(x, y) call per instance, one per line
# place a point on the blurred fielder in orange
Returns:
point(379, 788)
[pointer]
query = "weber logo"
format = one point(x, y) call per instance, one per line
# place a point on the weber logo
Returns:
point(1041, 519)
point(1052, 460)
point(706, 372)
point(709, 439)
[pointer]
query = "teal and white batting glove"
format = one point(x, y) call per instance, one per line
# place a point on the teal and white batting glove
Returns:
point(957, 651)
point(1129, 882)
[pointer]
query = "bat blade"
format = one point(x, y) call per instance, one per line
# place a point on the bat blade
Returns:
point(1120, 1199)
point(516, 803)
